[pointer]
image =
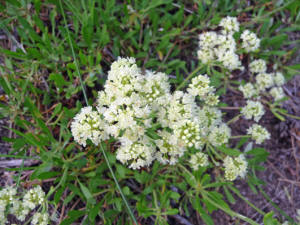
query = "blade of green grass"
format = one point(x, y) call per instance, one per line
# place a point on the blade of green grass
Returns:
point(118, 186)
point(73, 53)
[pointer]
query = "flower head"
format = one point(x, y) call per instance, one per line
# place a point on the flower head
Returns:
point(248, 90)
point(40, 219)
point(230, 24)
point(250, 41)
point(253, 109)
point(277, 93)
point(258, 133)
point(258, 66)
point(88, 125)
point(234, 167)
point(34, 197)
point(198, 159)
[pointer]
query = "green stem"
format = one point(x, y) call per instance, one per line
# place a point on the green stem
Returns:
point(189, 77)
point(118, 186)
point(244, 199)
point(240, 136)
point(289, 115)
point(275, 206)
point(73, 53)
point(229, 211)
point(234, 119)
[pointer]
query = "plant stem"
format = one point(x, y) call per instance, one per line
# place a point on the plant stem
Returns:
point(118, 186)
point(240, 136)
point(289, 115)
point(73, 53)
point(234, 119)
point(189, 77)
point(244, 199)
point(229, 211)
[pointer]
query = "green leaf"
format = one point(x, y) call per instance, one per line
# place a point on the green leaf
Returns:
point(73, 215)
point(229, 151)
point(87, 194)
point(94, 211)
point(58, 79)
point(198, 207)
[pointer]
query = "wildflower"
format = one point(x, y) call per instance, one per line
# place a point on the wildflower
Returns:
point(199, 86)
point(206, 56)
point(169, 148)
point(258, 66)
point(258, 133)
point(219, 135)
point(137, 155)
point(8, 194)
point(279, 79)
point(235, 167)
point(199, 159)
point(277, 93)
point(19, 209)
point(188, 133)
point(264, 80)
point(248, 90)
point(208, 40)
point(40, 219)
point(253, 109)
point(34, 197)
point(87, 125)
point(211, 99)
point(209, 117)
point(230, 24)
point(250, 41)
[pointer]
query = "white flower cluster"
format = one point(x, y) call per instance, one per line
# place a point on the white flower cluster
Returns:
point(250, 41)
point(86, 126)
point(220, 47)
point(199, 159)
point(253, 109)
point(148, 121)
point(235, 167)
point(258, 133)
point(264, 81)
point(40, 219)
point(12, 204)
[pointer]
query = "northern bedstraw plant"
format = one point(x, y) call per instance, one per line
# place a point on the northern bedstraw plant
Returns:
point(157, 146)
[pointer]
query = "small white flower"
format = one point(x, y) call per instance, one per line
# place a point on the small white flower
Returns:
point(258, 66)
point(169, 148)
point(137, 155)
point(7, 194)
point(230, 24)
point(277, 93)
point(88, 124)
point(279, 79)
point(248, 90)
point(212, 99)
point(40, 219)
point(235, 167)
point(199, 86)
point(34, 197)
point(264, 80)
point(219, 135)
point(258, 133)
point(19, 209)
point(198, 159)
point(253, 109)
point(188, 133)
point(250, 41)
point(209, 117)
